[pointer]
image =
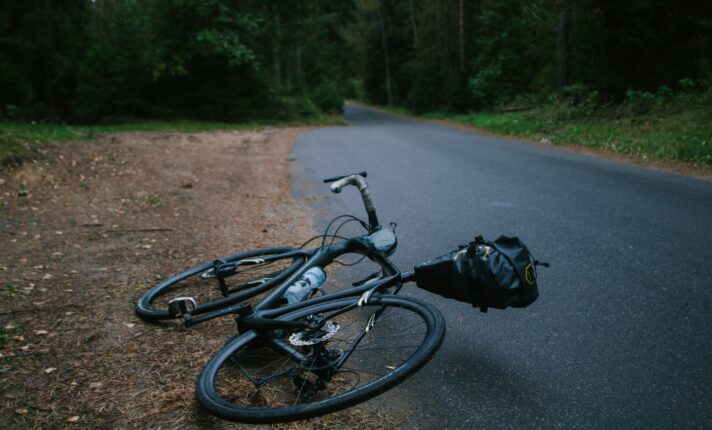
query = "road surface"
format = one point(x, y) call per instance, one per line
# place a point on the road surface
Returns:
point(621, 336)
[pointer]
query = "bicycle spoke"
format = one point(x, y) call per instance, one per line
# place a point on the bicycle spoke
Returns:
point(369, 343)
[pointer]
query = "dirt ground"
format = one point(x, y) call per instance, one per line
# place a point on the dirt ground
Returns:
point(86, 227)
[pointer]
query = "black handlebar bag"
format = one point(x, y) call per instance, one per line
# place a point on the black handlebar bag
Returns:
point(485, 274)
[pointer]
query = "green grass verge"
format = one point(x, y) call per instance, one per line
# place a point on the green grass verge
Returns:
point(677, 128)
point(17, 138)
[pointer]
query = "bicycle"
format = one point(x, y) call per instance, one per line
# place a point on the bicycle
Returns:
point(323, 354)
point(291, 361)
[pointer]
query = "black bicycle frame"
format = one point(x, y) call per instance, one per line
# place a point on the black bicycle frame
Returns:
point(265, 314)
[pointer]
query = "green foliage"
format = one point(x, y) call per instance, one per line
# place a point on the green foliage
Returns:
point(116, 61)
point(163, 58)
point(514, 45)
point(38, 43)
point(670, 125)
point(152, 200)
point(328, 97)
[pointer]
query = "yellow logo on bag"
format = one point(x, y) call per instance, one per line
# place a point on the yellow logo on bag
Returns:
point(487, 251)
point(529, 274)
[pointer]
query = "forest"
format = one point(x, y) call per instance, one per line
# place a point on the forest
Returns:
point(109, 61)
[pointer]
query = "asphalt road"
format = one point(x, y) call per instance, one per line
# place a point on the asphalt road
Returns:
point(621, 336)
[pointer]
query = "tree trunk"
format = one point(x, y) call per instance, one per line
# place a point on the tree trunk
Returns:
point(462, 35)
point(412, 22)
point(385, 57)
point(300, 71)
point(563, 31)
point(277, 47)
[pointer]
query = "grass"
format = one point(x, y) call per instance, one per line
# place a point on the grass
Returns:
point(152, 200)
point(18, 138)
point(672, 128)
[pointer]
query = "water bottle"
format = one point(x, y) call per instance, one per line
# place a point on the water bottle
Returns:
point(311, 280)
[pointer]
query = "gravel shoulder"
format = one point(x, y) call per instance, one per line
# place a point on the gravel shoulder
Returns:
point(86, 227)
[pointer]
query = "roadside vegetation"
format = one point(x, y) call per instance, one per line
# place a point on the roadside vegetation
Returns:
point(69, 71)
point(665, 125)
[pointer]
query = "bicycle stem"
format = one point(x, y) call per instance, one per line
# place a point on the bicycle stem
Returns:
point(359, 182)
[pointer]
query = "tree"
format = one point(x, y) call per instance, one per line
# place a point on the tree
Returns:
point(562, 44)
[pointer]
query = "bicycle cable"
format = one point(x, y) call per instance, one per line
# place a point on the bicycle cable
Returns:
point(328, 227)
point(333, 238)
point(324, 236)
point(319, 236)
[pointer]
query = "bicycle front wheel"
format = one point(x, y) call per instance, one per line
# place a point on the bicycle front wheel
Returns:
point(349, 354)
point(221, 282)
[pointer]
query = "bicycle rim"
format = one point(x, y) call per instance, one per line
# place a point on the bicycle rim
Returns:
point(356, 353)
point(251, 276)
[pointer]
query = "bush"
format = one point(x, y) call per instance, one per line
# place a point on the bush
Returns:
point(489, 86)
point(294, 108)
point(639, 102)
point(580, 101)
point(328, 97)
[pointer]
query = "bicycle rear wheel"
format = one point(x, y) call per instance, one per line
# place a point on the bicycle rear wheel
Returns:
point(351, 354)
point(221, 282)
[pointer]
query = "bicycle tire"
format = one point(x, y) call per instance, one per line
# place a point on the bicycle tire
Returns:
point(221, 387)
point(205, 289)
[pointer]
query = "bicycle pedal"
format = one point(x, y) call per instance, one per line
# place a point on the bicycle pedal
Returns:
point(180, 306)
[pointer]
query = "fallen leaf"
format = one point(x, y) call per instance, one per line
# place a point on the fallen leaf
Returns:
point(73, 419)
point(95, 385)
point(21, 411)
point(41, 332)
point(9, 327)
point(24, 347)
point(47, 276)
point(50, 370)
point(130, 325)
